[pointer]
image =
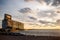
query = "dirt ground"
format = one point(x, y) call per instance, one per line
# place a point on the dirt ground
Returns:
point(8, 37)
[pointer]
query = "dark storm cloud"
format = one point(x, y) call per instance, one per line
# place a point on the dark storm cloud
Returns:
point(25, 10)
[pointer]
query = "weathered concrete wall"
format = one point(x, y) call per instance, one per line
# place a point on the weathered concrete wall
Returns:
point(8, 22)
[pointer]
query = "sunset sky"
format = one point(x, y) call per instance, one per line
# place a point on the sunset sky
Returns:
point(31, 10)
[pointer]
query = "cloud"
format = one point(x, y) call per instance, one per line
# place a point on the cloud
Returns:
point(48, 13)
point(54, 2)
point(28, 0)
point(21, 10)
point(25, 10)
point(44, 22)
point(40, 1)
point(29, 14)
point(33, 18)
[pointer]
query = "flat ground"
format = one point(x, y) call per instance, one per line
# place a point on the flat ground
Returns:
point(7, 37)
point(37, 35)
